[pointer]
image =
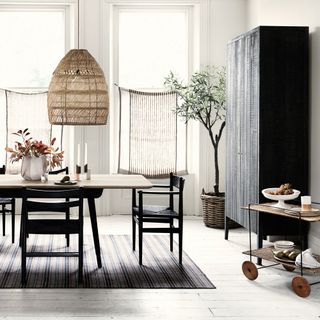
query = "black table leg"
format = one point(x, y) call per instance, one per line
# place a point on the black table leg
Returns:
point(95, 232)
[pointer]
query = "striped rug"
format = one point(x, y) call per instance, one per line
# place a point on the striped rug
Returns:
point(120, 267)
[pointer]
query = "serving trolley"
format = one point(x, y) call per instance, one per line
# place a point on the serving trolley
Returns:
point(300, 284)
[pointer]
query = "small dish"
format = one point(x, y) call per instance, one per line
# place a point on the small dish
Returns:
point(283, 245)
point(68, 183)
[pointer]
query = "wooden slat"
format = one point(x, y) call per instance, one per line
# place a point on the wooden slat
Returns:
point(53, 226)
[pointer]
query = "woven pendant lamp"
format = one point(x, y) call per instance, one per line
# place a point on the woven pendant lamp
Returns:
point(78, 92)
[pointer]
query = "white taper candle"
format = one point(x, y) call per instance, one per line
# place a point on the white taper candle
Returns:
point(78, 158)
point(85, 153)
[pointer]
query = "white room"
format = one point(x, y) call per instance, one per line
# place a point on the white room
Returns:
point(165, 132)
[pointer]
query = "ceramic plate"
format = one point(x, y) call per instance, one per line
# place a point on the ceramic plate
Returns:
point(68, 183)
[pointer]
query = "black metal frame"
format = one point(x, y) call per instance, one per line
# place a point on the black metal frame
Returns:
point(300, 236)
point(51, 226)
point(4, 202)
point(139, 215)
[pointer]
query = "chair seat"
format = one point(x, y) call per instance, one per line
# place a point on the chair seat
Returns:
point(156, 212)
point(5, 200)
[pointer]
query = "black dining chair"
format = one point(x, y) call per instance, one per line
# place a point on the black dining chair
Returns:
point(30, 204)
point(4, 202)
point(67, 212)
point(142, 214)
point(66, 171)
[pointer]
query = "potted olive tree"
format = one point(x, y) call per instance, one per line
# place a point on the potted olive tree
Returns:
point(204, 99)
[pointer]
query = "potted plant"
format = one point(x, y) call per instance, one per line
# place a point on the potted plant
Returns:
point(37, 157)
point(204, 99)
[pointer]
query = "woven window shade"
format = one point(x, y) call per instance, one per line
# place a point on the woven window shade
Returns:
point(152, 139)
point(78, 92)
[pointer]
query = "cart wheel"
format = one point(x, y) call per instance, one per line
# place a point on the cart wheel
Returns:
point(288, 268)
point(301, 286)
point(250, 270)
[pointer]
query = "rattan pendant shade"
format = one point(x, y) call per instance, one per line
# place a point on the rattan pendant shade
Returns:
point(78, 92)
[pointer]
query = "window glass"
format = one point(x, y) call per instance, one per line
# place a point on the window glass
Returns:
point(33, 44)
point(151, 43)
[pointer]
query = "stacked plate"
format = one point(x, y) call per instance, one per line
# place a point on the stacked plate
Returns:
point(283, 245)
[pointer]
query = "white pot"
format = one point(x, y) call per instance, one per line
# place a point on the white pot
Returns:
point(33, 168)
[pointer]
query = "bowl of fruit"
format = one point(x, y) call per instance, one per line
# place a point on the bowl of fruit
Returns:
point(281, 194)
point(288, 255)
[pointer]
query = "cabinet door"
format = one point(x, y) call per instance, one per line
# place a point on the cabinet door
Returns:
point(234, 126)
point(232, 133)
point(249, 127)
point(242, 127)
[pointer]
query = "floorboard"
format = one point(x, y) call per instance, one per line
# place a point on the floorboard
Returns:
point(269, 297)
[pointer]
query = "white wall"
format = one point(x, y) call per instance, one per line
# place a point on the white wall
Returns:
point(227, 19)
point(299, 13)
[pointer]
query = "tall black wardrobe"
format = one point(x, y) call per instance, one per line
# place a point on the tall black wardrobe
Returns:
point(267, 122)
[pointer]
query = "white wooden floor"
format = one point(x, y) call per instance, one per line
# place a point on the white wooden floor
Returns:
point(269, 297)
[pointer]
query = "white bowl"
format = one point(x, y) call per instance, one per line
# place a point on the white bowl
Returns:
point(280, 198)
point(283, 245)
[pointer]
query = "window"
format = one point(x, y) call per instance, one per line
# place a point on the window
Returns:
point(34, 44)
point(151, 41)
point(35, 41)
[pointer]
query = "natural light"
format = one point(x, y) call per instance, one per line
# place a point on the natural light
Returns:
point(151, 43)
point(33, 44)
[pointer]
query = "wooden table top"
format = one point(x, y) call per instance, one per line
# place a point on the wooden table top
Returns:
point(98, 181)
point(268, 208)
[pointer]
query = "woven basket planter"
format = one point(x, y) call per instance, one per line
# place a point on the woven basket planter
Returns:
point(213, 212)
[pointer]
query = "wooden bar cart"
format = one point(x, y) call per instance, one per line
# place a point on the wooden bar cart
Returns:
point(300, 284)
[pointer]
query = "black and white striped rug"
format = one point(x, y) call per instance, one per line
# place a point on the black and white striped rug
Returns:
point(120, 267)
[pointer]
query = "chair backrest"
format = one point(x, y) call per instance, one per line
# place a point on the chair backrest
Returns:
point(3, 169)
point(176, 182)
point(61, 206)
point(65, 169)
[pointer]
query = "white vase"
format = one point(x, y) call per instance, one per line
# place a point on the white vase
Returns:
point(33, 168)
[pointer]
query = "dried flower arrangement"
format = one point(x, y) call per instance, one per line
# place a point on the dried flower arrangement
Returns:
point(29, 147)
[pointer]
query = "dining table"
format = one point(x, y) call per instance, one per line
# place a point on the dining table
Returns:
point(11, 186)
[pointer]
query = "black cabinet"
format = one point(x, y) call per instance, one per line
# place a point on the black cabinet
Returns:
point(267, 121)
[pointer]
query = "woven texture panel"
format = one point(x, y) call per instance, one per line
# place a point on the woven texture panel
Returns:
point(78, 92)
point(152, 140)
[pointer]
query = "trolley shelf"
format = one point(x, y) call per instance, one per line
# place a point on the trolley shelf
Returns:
point(266, 254)
point(300, 285)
